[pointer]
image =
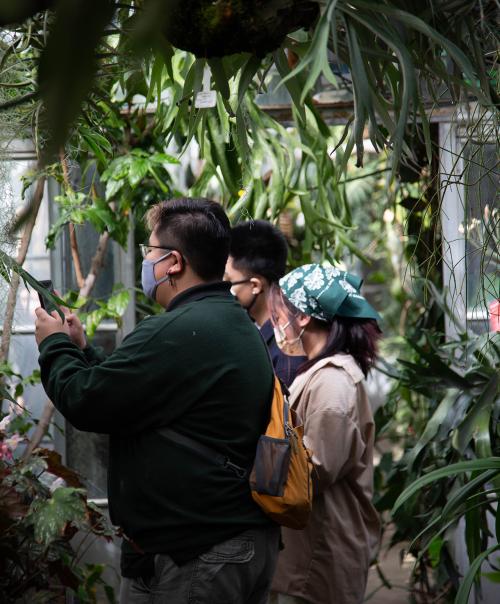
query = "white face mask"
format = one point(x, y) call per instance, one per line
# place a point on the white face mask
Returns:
point(292, 348)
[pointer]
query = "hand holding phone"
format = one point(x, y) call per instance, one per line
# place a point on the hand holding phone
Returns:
point(73, 323)
point(45, 303)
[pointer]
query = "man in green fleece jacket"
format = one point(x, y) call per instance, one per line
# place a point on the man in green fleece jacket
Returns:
point(193, 532)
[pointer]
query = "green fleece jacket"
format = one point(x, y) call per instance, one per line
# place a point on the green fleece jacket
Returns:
point(200, 368)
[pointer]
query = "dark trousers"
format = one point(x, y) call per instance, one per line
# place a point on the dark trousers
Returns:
point(237, 571)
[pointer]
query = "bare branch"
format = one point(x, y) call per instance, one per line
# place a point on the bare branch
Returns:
point(19, 100)
point(96, 265)
point(43, 424)
point(21, 257)
point(75, 254)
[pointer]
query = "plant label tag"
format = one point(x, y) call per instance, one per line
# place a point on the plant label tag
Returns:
point(205, 99)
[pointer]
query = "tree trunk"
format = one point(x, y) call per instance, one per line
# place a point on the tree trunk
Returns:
point(21, 257)
point(75, 254)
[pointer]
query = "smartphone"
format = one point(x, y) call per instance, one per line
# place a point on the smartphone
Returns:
point(46, 304)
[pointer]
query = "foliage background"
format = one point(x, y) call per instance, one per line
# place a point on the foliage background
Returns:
point(108, 99)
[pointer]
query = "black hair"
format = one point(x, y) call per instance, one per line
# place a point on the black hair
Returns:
point(198, 228)
point(357, 337)
point(259, 248)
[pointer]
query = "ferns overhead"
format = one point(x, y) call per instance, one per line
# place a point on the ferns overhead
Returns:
point(403, 57)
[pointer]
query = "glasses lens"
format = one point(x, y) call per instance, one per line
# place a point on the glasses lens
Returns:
point(147, 249)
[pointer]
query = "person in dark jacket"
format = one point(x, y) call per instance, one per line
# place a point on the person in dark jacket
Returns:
point(193, 531)
point(257, 261)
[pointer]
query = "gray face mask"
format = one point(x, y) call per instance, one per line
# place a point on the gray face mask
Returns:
point(149, 283)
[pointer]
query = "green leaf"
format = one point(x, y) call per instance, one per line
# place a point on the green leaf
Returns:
point(434, 549)
point(155, 81)
point(292, 83)
point(494, 577)
point(94, 148)
point(112, 187)
point(434, 424)
point(316, 58)
point(110, 594)
point(418, 24)
point(50, 517)
point(138, 169)
point(461, 495)
point(473, 540)
point(113, 308)
point(247, 74)
point(476, 423)
point(5, 394)
point(67, 65)
point(167, 51)
point(463, 593)
point(118, 302)
point(220, 78)
point(163, 158)
point(8, 264)
point(491, 463)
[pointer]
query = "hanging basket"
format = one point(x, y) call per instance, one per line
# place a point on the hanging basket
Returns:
point(218, 28)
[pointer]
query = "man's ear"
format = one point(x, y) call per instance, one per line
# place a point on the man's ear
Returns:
point(257, 285)
point(176, 264)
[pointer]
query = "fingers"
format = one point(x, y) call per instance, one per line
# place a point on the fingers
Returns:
point(71, 318)
point(41, 313)
point(65, 309)
point(57, 316)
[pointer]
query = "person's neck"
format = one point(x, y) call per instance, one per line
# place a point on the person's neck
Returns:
point(179, 285)
point(314, 339)
point(259, 311)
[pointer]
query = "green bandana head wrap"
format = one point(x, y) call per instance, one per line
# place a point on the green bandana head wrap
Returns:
point(324, 291)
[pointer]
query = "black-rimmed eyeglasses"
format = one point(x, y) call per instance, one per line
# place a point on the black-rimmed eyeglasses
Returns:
point(240, 281)
point(147, 249)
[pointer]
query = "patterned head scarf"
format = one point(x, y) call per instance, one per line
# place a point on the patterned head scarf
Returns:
point(324, 291)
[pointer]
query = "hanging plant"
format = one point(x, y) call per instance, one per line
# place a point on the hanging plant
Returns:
point(215, 29)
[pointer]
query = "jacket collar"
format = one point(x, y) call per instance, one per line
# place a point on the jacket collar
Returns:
point(342, 360)
point(267, 331)
point(198, 292)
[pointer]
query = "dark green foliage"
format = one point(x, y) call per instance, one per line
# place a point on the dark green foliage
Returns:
point(38, 519)
point(68, 64)
point(224, 27)
point(402, 58)
point(450, 469)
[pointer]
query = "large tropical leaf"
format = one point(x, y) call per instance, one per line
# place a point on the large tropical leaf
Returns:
point(8, 264)
point(50, 517)
point(490, 463)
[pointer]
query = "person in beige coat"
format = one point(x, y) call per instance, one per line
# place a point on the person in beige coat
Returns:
point(319, 311)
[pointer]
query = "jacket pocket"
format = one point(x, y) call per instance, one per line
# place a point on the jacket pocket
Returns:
point(270, 469)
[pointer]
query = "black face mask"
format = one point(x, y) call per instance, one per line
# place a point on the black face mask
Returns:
point(248, 308)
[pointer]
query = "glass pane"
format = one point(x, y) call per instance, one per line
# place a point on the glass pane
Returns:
point(23, 351)
point(481, 226)
point(23, 356)
point(87, 453)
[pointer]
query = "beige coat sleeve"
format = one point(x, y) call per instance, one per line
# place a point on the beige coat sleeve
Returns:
point(330, 427)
